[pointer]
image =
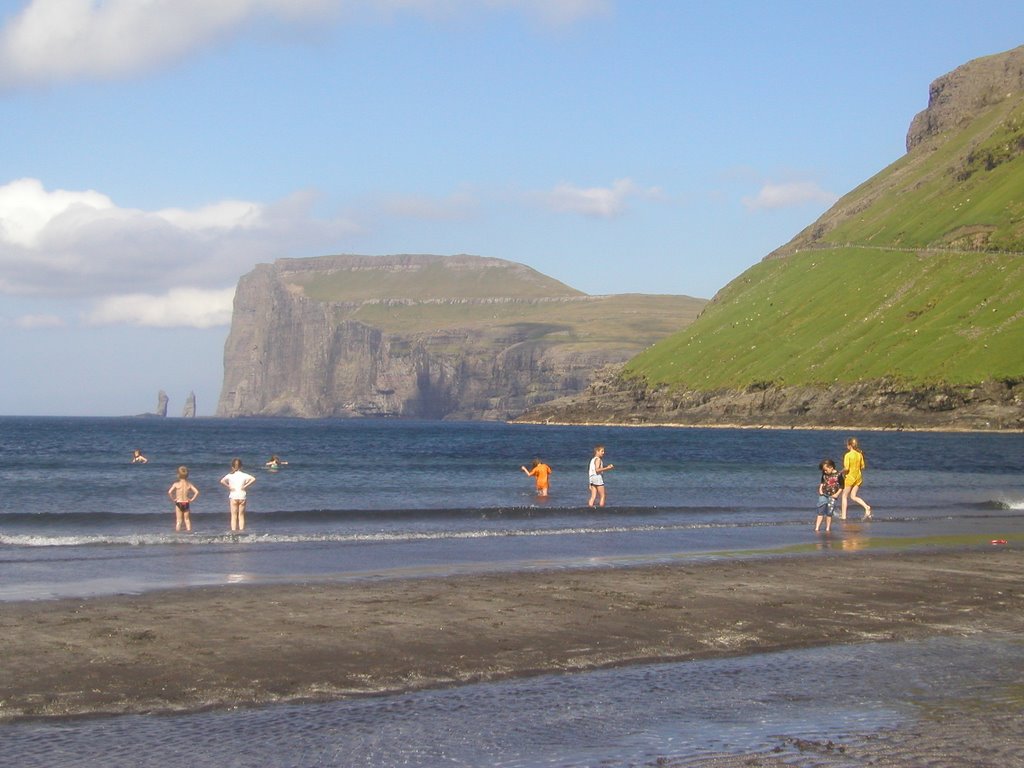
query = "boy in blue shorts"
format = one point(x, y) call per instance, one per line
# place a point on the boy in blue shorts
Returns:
point(829, 488)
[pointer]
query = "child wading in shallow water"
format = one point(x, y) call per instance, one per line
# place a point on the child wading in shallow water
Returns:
point(541, 471)
point(829, 488)
point(854, 464)
point(595, 471)
point(183, 493)
point(237, 482)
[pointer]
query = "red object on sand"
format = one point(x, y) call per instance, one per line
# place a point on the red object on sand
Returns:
point(998, 541)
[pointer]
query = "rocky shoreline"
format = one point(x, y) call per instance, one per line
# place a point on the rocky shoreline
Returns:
point(873, 405)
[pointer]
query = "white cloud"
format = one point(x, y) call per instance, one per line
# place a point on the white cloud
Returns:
point(26, 209)
point(600, 202)
point(80, 244)
point(788, 195)
point(52, 40)
point(192, 307)
point(554, 12)
point(57, 40)
point(223, 216)
point(33, 322)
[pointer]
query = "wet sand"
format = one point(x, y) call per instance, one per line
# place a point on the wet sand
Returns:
point(247, 645)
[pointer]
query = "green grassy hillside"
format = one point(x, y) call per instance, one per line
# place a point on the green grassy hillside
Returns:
point(918, 275)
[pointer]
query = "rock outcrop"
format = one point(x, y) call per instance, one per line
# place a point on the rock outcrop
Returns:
point(957, 97)
point(993, 405)
point(372, 336)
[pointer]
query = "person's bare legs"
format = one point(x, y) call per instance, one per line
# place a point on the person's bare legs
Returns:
point(859, 500)
point(842, 505)
point(237, 514)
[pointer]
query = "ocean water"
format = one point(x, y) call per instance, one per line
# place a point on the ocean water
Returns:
point(386, 499)
point(379, 499)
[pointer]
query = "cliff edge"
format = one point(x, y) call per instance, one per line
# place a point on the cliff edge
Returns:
point(421, 336)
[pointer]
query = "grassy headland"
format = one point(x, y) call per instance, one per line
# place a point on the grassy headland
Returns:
point(493, 296)
point(917, 275)
point(900, 307)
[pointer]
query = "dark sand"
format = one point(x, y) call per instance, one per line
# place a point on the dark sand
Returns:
point(246, 645)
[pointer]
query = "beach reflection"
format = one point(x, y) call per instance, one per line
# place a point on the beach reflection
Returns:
point(791, 705)
point(855, 537)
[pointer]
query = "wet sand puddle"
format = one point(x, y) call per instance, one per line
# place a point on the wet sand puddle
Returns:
point(944, 701)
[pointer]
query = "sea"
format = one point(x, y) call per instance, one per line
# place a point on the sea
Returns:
point(387, 499)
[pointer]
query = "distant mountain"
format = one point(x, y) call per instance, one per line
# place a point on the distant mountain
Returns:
point(424, 336)
point(903, 305)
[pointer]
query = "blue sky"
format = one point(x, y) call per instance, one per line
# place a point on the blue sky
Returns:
point(153, 151)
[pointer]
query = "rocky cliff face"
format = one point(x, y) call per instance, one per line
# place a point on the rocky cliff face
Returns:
point(959, 95)
point(993, 405)
point(291, 355)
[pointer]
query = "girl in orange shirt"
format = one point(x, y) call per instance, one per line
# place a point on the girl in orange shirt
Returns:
point(541, 471)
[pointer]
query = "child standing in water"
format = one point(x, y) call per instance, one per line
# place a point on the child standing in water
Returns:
point(541, 471)
point(853, 468)
point(237, 482)
point(595, 471)
point(182, 494)
point(828, 489)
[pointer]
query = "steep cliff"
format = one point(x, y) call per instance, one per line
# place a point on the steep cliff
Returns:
point(424, 336)
point(956, 98)
point(899, 307)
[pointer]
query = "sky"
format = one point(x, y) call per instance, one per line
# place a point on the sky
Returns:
point(154, 151)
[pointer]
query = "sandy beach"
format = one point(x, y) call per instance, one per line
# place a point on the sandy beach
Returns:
point(247, 645)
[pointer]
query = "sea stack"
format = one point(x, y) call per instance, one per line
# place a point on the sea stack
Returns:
point(189, 411)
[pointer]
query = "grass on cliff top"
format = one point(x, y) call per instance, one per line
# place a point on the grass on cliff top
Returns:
point(851, 314)
point(468, 300)
point(634, 319)
point(439, 280)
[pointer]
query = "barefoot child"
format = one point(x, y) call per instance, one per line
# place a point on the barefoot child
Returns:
point(829, 488)
point(853, 475)
point(183, 493)
point(595, 471)
point(237, 482)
